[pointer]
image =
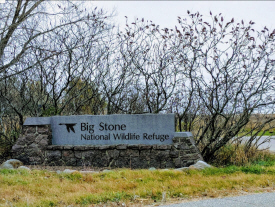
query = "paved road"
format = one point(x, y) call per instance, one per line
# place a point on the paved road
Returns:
point(270, 144)
point(261, 199)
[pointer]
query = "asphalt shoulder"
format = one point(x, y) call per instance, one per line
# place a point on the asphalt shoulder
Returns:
point(259, 199)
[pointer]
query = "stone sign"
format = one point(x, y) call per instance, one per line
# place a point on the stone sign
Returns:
point(148, 129)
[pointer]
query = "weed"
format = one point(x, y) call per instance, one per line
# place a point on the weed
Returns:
point(9, 172)
point(104, 198)
point(48, 203)
point(254, 169)
point(75, 176)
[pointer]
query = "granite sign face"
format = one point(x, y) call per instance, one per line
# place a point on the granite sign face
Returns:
point(145, 129)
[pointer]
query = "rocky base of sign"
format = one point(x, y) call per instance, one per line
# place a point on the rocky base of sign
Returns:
point(11, 164)
point(200, 165)
point(33, 148)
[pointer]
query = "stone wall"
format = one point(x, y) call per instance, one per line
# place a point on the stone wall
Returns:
point(34, 147)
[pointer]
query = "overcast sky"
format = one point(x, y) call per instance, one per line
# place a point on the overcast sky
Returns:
point(164, 13)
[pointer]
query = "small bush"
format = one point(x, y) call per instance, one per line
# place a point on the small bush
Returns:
point(233, 154)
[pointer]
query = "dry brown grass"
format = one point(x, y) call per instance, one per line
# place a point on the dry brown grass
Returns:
point(235, 154)
point(131, 187)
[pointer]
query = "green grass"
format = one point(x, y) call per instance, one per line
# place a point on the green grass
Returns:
point(44, 188)
point(248, 132)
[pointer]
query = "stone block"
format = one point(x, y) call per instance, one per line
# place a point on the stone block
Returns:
point(67, 153)
point(23, 157)
point(189, 141)
point(70, 161)
point(55, 162)
point(128, 153)
point(168, 164)
point(68, 147)
point(78, 154)
point(85, 163)
point(178, 162)
point(29, 138)
point(35, 160)
point(104, 147)
point(154, 146)
point(41, 140)
point(133, 146)
point(185, 152)
point(145, 153)
point(43, 130)
point(189, 162)
point(174, 153)
point(122, 162)
point(121, 146)
point(43, 143)
point(112, 153)
point(164, 155)
point(176, 140)
point(49, 147)
point(145, 147)
point(176, 146)
point(160, 154)
point(191, 156)
point(21, 140)
point(34, 152)
point(89, 154)
point(100, 161)
point(184, 146)
point(179, 139)
point(29, 130)
point(193, 149)
point(154, 163)
point(91, 147)
point(33, 146)
point(57, 147)
point(139, 162)
point(80, 162)
point(53, 154)
point(79, 148)
point(163, 147)
point(17, 147)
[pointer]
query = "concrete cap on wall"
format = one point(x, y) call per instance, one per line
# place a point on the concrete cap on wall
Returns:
point(183, 134)
point(36, 121)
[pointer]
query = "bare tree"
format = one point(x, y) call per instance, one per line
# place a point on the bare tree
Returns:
point(61, 48)
point(233, 77)
point(22, 23)
point(148, 54)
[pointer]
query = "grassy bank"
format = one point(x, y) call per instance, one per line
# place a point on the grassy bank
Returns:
point(236, 173)
point(131, 187)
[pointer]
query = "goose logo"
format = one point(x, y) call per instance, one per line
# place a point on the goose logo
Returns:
point(70, 127)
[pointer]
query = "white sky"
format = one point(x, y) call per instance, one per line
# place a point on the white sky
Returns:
point(164, 13)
